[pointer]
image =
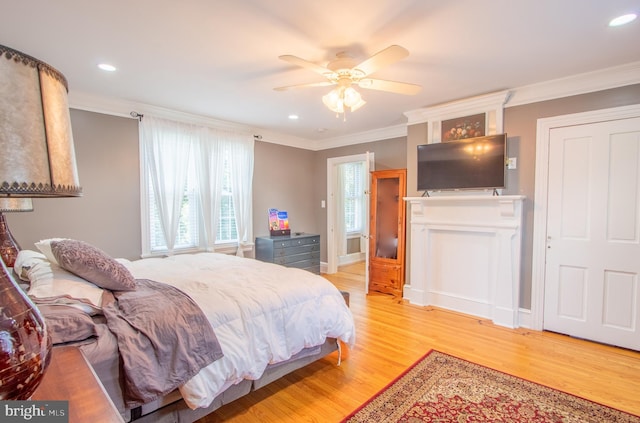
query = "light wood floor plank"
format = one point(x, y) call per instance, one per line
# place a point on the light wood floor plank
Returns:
point(392, 335)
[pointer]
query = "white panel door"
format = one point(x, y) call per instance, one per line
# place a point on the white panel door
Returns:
point(593, 233)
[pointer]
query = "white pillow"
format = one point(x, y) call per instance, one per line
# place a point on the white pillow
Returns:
point(24, 261)
point(51, 284)
point(45, 248)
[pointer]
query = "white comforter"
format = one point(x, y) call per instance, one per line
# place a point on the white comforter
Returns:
point(261, 313)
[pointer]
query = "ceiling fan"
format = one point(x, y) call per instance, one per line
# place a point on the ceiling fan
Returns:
point(344, 72)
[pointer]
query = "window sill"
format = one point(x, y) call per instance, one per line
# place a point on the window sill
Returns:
point(227, 248)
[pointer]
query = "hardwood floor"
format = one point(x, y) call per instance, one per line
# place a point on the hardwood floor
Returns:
point(392, 335)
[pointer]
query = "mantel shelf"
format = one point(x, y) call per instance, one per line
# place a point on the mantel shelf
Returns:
point(467, 198)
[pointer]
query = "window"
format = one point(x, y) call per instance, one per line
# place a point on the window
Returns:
point(227, 228)
point(187, 236)
point(189, 221)
point(353, 179)
point(190, 175)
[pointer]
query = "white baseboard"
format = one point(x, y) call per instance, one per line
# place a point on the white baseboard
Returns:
point(524, 318)
point(351, 258)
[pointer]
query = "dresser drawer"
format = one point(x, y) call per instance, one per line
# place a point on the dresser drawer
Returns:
point(292, 242)
point(297, 249)
point(304, 264)
point(292, 258)
point(301, 251)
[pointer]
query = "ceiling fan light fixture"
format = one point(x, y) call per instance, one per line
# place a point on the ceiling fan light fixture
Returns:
point(358, 105)
point(344, 72)
point(351, 97)
point(333, 100)
point(337, 99)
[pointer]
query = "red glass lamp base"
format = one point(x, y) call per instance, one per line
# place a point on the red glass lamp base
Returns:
point(9, 247)
point(25, 345)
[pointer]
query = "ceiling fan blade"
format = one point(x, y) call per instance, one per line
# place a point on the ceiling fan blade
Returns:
point(312, 84)
point(391, 86)
point(382, 58)
point(306, 64)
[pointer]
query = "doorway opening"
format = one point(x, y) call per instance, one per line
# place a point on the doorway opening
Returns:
point(347, 209)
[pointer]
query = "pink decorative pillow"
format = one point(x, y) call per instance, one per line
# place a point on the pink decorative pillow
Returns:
point(92, 264)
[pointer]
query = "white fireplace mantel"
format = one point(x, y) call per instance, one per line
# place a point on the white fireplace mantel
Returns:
point(465, 254)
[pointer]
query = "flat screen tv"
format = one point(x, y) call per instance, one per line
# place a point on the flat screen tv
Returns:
point(472, 163)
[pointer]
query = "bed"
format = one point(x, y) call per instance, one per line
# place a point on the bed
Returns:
point(174, 338)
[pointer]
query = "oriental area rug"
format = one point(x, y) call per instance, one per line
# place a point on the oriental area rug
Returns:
point(442, 388)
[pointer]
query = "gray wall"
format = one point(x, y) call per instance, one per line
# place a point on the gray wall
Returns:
point(353, 245)
point(282, 179)
point(520, 125)
point(108, 213)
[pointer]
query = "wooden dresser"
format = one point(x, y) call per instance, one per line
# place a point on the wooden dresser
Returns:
point(297, 250)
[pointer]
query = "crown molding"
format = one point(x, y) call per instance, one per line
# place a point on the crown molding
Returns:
point(463, 107)
point(123, 108)
point(603, 79)
point(599, 80)
point(109, 106)
point(264, 135)
point(386, 133)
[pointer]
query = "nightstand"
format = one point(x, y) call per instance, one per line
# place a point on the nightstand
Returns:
point(70, 377)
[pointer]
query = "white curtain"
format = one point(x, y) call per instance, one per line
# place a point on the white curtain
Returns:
point(209, 170)
point(240, 154)
point(166, 149)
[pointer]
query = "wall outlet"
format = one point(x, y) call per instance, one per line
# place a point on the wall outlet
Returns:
point(512, 163)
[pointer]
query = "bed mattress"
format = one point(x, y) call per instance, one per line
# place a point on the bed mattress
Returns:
point(262, 313)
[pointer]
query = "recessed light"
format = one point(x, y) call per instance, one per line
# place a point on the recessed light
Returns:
point(622, 20)
point(293, 117)
point(107, 67)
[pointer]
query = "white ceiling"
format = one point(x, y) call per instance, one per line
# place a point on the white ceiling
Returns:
point(219, 58)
